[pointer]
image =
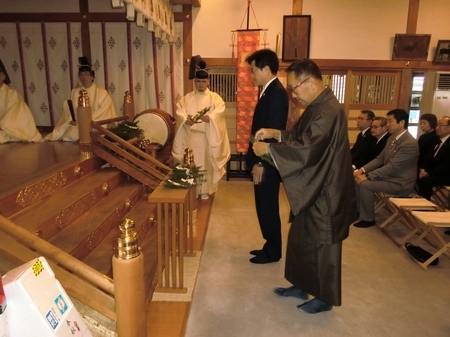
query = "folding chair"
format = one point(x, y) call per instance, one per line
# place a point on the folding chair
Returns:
point(430, 222)
point(400, 208)
point(383, 201)
point(441, 196)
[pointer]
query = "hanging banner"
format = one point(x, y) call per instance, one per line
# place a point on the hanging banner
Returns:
point(247, 92)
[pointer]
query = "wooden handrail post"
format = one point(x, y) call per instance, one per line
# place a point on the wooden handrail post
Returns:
point(128, 272)
point(84, 117)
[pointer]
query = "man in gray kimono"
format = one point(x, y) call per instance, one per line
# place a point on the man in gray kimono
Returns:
point(315, 165)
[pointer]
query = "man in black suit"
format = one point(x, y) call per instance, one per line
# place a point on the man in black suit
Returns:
point(380, 132)
point(435, 170)
point(361, 150)
point(271, 111)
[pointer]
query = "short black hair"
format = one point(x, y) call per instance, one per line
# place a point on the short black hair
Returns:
point(305, 67)
point(265, 57)
point(400, 115)
point(369, 113)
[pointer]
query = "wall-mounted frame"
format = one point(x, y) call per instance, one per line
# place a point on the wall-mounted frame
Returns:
point(296, 31)
point(442, 53)
point(409, 47)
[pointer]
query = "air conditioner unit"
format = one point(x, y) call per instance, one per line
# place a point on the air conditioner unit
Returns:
point(436, 94)
point(442, 81)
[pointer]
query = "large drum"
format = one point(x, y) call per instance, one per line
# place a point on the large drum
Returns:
point(158, 126)
point(159, 130)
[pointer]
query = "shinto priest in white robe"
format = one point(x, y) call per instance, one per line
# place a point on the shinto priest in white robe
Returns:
point(16, 120)
point(101, 105)
point(209, 141)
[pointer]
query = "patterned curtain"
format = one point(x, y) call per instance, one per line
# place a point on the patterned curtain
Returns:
point(247, 92)
point(42, 62)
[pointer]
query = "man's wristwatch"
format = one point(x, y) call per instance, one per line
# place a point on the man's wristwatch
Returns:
point(259, 164)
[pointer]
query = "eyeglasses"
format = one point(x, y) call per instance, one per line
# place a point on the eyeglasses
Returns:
point(201, 81)
point(299, 84)
point(363, 119)
point(441, 125)
point(376, 126)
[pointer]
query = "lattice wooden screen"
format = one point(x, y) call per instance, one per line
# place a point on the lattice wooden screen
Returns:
point(373, 89)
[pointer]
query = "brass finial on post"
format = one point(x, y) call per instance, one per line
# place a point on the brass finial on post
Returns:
point(128, 106)
point(127, 242)
point(84, 118)
point(129, 284)
point(188, 159)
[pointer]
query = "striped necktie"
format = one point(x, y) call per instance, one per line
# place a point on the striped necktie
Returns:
point(392, 144)
point(437, 148)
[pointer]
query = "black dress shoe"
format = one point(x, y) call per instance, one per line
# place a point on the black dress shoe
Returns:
point(364, 224)
point(314, 306)
point(257, 252)
point(291, 292)
point(261, 259)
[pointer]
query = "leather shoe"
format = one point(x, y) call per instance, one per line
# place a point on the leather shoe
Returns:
point(257, 252)
point(364, 224)
point(314, 306)
point(261, 259)
point(291, 292)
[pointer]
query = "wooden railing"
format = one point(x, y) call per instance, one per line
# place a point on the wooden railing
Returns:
point(80, 281)
point(125, 156)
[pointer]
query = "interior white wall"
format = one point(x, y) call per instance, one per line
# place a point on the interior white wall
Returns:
point(214, 21)
point(344, 29)
point(434, 19)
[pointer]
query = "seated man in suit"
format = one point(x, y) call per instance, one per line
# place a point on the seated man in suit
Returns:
point(380, 132)
point(393, 171)
point(435, 170)
point(361, 150)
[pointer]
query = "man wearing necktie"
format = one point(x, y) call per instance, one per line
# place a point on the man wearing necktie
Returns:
point(435, 170)
point(271, 111)
point(362, 149)
point(394, 171)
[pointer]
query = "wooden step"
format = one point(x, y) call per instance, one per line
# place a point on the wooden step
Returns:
point(84, 234)
point(140, 213)
point(59, 209)
point(23, 193)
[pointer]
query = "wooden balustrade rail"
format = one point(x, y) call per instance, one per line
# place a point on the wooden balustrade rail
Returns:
point(57, 255)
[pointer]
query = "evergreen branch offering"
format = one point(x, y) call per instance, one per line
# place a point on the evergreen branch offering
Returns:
point(183, 177)
point(195, 118)
point(127, 130)
point(266, 157)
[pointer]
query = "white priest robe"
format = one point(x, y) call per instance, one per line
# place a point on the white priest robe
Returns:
point(16, 120)
point(209, 141)
point(101, 105)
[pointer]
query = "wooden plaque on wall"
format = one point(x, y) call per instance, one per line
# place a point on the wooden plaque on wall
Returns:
point(296, 31)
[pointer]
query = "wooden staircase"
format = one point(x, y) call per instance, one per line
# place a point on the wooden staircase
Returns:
point(70, 215)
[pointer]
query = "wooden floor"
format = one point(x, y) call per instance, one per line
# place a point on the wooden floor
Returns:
point(21, 162)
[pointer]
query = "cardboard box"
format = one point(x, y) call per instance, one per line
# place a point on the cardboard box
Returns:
point(38, 304)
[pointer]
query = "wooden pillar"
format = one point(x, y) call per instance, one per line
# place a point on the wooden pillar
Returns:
point(405, 88)
point(413, 15)
point(85, 36)
point(297, 7)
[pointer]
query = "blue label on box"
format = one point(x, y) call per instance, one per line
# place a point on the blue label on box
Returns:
point(51, 318)
point(61, 304)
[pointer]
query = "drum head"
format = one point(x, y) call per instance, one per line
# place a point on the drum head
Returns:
point(155, 125)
